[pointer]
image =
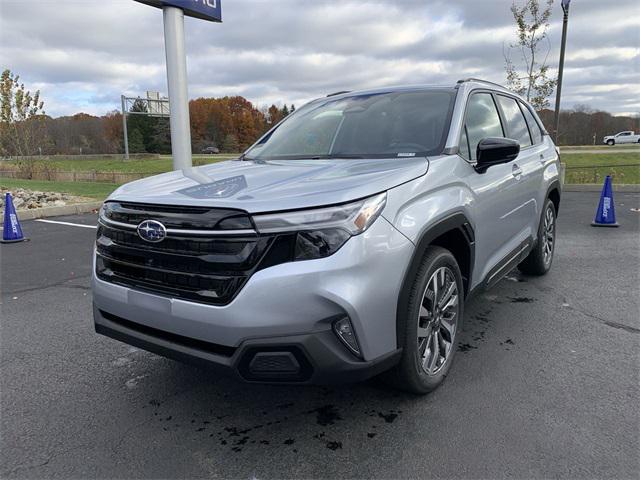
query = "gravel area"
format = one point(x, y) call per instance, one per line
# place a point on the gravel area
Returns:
point(24, 199)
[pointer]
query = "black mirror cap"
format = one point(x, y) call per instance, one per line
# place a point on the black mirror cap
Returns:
point(494, 151)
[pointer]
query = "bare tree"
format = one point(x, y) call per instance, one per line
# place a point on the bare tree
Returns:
point(22, 128)
point(529, 77)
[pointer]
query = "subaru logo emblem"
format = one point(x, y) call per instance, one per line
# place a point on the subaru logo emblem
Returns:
point(152, 231)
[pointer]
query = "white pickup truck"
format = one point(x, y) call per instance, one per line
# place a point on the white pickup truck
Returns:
point(622, 137)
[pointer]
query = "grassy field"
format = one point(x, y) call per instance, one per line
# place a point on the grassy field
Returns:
point(98, 191)
point(581, 168)
point(592, 168)
point(148, 165)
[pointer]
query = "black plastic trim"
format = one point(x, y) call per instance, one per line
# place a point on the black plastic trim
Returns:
point(319, 351)
point(455, 221)
point(189, 342)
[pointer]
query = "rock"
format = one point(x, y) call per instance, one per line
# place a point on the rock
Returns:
point(24, 199)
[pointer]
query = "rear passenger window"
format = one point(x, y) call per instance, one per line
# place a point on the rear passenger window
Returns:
point(534, 128)
point(482, 121)
point(516, 126)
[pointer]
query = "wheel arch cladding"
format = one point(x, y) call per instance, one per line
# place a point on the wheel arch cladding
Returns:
point(554, 195)
point(454, 233)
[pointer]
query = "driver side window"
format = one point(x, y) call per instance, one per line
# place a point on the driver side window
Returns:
point(481, 121)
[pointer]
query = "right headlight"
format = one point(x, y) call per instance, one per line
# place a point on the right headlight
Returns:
point(322, 231)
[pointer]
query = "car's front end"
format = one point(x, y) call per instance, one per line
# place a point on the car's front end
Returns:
point(289, 297)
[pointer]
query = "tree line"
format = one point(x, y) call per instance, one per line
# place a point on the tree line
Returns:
point(230, 123)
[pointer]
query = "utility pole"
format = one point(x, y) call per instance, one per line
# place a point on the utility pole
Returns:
point(565, 21)
point(124, 128)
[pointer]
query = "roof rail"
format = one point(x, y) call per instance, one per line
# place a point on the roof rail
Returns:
point(471, 79)
point(338, 93)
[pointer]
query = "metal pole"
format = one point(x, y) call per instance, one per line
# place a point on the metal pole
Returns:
point(177, 82)
point(565, 20)
point(124, 128)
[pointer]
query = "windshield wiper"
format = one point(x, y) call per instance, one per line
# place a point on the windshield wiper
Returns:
point(345, 155)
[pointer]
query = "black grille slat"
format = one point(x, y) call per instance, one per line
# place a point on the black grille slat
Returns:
point(225, 255)
point(208, 269)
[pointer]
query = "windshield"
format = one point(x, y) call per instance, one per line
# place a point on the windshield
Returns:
point(392, 124)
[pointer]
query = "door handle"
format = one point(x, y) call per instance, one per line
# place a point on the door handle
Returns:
point(542, 159)
point(516, 171)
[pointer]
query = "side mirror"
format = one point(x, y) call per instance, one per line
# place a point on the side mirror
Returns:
point(494, 151)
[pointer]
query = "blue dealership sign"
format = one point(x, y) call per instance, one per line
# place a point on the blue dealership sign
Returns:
point(204, 9)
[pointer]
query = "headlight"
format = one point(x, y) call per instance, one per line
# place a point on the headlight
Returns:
point(322, 231)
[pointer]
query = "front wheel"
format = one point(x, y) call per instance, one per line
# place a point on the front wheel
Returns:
point(429, 324)
point(539, 260)
point(611, 143)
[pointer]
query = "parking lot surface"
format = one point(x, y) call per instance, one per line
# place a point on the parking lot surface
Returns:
point(546, 382)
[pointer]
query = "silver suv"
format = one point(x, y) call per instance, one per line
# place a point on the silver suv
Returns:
point(340, 246)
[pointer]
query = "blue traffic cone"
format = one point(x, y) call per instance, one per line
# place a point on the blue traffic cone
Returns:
point(606, 213)
point(12, 231)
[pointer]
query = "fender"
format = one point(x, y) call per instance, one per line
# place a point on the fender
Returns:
point(455, 221)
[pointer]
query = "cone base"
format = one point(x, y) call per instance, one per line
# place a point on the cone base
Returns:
point(611, 225)
point(17, 240)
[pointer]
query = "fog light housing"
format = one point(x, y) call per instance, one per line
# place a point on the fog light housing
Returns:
point(344, 331)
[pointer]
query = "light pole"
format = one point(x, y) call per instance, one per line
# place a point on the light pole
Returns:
point(565, 21)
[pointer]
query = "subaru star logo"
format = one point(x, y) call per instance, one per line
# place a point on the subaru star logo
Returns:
point(152, 231)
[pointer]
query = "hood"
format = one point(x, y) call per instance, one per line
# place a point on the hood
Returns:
point(262, 186)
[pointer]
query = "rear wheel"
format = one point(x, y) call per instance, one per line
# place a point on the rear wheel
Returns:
point(430, 324)
point(539, 260)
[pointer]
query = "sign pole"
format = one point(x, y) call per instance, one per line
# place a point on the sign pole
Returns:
point(177, 83)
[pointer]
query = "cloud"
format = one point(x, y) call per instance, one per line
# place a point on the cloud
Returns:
point(84, 54)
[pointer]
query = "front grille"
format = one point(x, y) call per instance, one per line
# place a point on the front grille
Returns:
point(208, 268)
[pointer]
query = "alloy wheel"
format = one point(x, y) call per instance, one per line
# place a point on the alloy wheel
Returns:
point(437, 320)
point(548, 233)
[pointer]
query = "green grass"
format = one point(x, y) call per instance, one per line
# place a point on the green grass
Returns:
point(606, 163)
point(97, 191)
point(599, 146)
point(148, 166)
point(611, 165)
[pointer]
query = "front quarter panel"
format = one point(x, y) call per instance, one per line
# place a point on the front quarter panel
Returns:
point(415, 206)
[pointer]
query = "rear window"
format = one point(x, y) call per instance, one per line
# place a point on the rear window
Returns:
point(516, 125)
point(534, 128)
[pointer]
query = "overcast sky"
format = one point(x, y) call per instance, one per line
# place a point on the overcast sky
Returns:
point(83, 54)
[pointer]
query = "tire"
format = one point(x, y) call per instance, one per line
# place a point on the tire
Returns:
point(611, 143)
point(437, 267)
point(539, 260)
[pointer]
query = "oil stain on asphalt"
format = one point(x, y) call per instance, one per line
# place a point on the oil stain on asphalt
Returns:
point(237, 439)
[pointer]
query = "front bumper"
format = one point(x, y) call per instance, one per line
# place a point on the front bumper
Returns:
point(287, 309)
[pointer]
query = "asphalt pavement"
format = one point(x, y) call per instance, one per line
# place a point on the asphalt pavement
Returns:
point(545, 383)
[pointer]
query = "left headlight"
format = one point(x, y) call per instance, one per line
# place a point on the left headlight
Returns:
point(322, 231)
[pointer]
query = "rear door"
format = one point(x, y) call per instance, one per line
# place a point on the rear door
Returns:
point(624, 137)
point(527, 168)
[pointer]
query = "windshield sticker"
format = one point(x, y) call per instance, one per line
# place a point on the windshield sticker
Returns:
point(224, 188)
point(406, 154)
